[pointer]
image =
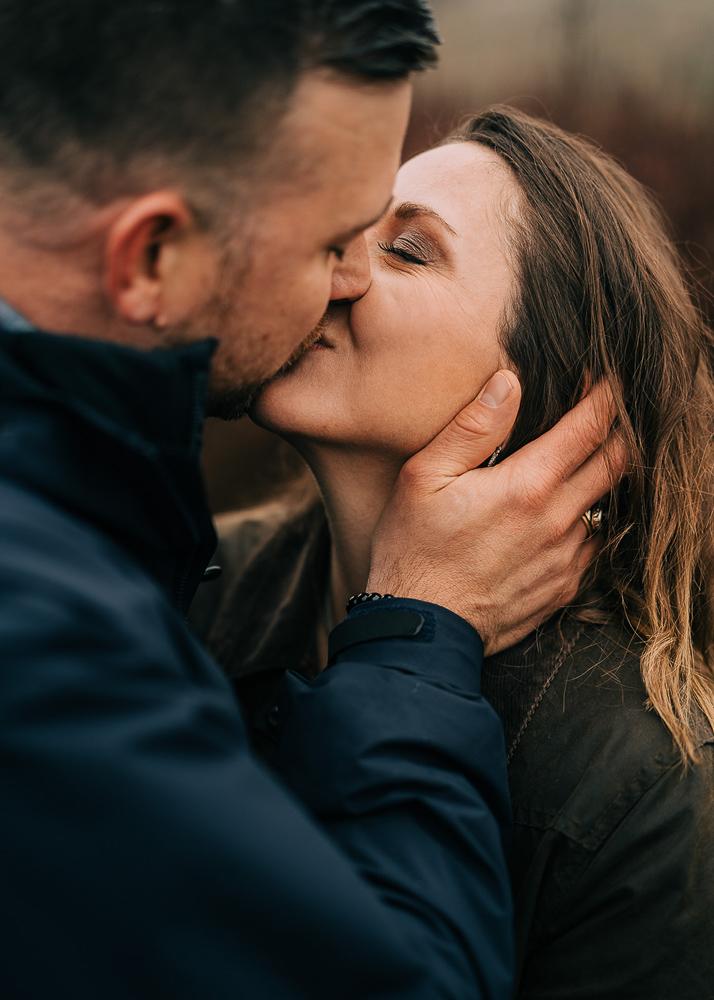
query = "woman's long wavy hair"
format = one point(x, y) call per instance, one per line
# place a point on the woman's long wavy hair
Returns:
point(602, 294)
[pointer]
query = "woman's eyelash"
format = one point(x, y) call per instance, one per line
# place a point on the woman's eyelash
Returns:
point(400, 251)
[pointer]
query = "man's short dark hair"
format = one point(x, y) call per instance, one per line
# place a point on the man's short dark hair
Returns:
point(86, 86)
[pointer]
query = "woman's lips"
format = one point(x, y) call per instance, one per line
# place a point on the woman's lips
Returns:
point(321, 343)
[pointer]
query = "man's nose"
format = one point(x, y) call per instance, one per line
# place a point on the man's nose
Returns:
point(352, 275)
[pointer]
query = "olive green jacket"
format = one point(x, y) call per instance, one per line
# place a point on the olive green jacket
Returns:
point(612, 861)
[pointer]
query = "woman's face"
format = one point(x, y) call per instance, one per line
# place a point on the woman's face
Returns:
point(401, 361)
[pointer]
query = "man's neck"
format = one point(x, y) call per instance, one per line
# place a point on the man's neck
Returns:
point(355, 487)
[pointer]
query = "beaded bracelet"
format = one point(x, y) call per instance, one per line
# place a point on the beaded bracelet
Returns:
point(366, 598)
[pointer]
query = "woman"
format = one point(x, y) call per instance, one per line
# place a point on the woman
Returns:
point(516, 245)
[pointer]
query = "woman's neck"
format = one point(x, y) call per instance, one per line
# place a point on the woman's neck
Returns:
point(355, 489)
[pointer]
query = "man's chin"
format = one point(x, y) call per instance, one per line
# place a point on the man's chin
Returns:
point(231, 404)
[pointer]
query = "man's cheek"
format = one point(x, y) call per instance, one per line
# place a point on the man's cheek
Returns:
point(316, 299)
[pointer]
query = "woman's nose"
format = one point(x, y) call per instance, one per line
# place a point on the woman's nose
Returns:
point(352, 275)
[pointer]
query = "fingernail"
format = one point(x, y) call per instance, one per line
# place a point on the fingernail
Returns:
point(496, 391)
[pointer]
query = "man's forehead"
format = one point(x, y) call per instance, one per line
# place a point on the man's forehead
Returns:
point(335, 156)
point(334, 123)
point(326, 101)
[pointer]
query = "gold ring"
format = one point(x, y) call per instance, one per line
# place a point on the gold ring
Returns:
point(592, 519)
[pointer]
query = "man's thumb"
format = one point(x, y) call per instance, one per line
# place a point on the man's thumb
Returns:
point(475, 432)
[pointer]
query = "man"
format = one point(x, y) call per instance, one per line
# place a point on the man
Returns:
point(192, 169)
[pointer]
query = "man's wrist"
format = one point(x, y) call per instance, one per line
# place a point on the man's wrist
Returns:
point(412, 635)
point(389, 584)
point(366, 597)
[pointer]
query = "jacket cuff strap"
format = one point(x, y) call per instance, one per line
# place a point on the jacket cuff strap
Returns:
point(386, 623)
point(412, 636)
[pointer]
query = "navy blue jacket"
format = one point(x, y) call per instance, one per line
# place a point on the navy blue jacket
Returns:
point(144, 852)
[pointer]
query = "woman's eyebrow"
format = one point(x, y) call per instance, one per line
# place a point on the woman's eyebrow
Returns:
point(411, 210)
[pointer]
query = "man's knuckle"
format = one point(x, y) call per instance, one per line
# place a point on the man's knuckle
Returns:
point(412, 473)
point(535, 490)
point(553, 529)
point(473, 421)
point(569, 593)
point(589, 430)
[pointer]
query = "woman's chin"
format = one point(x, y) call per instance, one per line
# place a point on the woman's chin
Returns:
point(288, 407)
point(269, 413)
point(286, 400)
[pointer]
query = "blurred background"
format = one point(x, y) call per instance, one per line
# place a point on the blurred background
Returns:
point(637, 76)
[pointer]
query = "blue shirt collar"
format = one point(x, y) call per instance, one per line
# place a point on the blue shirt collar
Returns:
point(12, 321)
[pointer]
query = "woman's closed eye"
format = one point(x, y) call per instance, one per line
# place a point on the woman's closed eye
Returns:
point(408, 249)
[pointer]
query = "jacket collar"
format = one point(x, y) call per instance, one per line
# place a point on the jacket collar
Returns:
point(113, 435)
point(272, 595)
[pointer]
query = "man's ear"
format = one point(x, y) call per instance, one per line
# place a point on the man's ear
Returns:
point(135, 279)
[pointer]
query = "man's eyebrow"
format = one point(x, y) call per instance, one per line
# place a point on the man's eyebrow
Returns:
point(411, 210)
point(368, 225)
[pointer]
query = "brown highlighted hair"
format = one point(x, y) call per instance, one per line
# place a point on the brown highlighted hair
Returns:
point(601, 293)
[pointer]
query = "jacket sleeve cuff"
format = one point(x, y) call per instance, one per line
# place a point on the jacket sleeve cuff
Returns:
point(414, 637)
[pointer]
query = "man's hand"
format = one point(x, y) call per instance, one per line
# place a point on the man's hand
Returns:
point(503, 547)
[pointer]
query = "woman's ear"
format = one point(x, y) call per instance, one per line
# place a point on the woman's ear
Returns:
point(146, 245)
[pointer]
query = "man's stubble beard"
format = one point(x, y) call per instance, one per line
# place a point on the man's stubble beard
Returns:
point(226, 398)
point(231, 402)
point(302, 349)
